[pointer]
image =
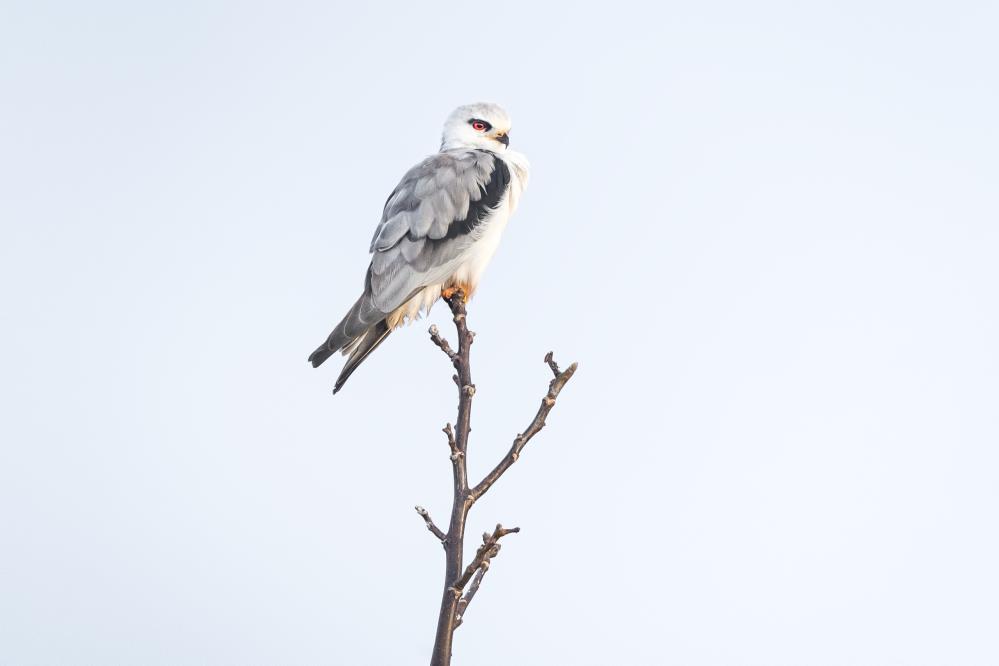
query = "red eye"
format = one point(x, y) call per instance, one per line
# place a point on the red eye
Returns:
point(478, 126)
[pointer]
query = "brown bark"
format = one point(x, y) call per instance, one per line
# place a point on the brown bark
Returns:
point(460, 585)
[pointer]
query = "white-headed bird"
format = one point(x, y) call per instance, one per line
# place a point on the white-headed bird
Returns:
point(439, 229)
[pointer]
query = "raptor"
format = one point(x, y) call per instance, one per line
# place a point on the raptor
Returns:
point(439, 229)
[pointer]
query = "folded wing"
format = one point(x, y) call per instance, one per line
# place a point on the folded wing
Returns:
point(428, 222)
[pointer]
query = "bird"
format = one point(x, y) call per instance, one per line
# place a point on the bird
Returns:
point(439, 230)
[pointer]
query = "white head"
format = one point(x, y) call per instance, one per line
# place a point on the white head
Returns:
point(482, 125)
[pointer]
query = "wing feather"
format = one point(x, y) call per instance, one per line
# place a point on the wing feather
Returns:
point(428, 222)
point(410, 249)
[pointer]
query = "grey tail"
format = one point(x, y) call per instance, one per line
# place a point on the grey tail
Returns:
point(352, 327)
point(317, 357)
point(367, 343)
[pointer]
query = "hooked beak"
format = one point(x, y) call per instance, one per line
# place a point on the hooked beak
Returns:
point(503, 138)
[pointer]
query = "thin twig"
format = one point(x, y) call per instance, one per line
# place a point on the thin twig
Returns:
point(488, 550)
point(430, 524)
point(455, 453)
point(550, 360)
point(441, 342)
point(467, 599)
point(520, 441)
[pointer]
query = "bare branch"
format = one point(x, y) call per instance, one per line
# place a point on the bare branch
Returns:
point(488, 550)
point(550, 360)
point(435, 336)
point(462, 582)
point(520, 441)
point(467, 599)
point(455, 453)
point(430, 524)
point(458, 441)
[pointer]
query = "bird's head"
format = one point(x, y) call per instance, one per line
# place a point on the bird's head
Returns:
point(483, 125)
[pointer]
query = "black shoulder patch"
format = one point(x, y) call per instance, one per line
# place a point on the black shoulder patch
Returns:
point(492, 194)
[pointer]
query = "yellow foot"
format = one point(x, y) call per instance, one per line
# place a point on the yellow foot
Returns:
point(451, 291)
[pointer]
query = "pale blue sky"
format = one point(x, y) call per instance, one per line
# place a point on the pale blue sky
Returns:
point(767, 232)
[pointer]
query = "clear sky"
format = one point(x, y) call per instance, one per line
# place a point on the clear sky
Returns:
point(768, 232)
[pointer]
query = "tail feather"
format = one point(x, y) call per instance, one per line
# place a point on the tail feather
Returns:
point(373, 337)
point(354, 325)
point(358, 334)
point(317, 357)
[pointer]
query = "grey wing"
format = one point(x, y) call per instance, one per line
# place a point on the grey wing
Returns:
point(429, 220)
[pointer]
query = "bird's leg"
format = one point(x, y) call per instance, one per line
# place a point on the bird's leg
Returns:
point(466, 292)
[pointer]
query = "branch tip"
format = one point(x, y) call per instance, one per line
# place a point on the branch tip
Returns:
point(555, 387)
point(451, 442)
point(550, 360)
point(480, 563)
point(437, 339)
point(436, 531)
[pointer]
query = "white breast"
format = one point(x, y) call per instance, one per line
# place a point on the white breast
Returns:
point(481, 252)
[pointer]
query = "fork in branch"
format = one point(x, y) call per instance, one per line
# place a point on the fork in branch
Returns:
point(461, 583)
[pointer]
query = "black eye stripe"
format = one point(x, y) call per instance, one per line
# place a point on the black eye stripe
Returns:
point(472, 121)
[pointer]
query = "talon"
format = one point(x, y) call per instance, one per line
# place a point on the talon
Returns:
point(466, 292)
